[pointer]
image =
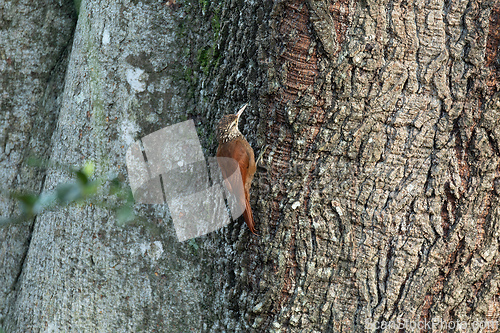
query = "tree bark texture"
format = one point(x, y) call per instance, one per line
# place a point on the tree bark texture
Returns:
point(377, 199)
point(74, 269)
point(35, 41)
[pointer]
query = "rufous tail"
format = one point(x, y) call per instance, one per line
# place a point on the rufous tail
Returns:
point(248, 216)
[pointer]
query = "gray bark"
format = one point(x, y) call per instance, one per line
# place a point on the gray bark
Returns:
point(35, 41)
point(377, 200)
point(81, 272)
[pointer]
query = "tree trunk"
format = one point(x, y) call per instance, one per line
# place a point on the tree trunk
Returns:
point(378, 206)
point(35, 42)
point(377, 199)
point(81, 272)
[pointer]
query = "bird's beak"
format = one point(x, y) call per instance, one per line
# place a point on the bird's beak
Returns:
point(241, 111)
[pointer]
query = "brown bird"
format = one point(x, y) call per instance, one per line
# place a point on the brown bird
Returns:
point(234, 145)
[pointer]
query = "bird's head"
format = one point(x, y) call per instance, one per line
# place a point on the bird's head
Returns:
point(227, 129)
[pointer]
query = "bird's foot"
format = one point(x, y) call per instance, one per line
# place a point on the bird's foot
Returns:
point(261, 154)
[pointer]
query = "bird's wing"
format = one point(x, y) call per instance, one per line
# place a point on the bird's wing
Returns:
point(236, 150)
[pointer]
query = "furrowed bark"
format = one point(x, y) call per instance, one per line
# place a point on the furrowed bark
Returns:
point(377, 200)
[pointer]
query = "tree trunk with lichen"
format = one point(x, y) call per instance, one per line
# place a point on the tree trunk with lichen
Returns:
point(35, 41)
point(377, 199)
point(84, 94)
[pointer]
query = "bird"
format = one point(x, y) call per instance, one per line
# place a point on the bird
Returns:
point(233, 144)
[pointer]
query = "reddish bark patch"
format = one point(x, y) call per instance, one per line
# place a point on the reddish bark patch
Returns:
point(290, 278)
point(451, 261)
point(172, 4)
point(425, 316)
point(492, 57)
point(297, 67)
point(482, 219)
point(300, 62)
point(340, 14)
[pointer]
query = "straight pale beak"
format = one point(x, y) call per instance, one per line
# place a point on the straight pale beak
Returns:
point(241, 110)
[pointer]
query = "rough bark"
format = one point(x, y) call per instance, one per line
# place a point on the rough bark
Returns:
point(379, 202)
point(378, 197)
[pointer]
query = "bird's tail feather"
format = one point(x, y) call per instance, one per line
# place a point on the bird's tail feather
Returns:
point(248, 216)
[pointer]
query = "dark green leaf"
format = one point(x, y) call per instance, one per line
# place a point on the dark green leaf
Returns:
point(114, 186)
point(27, 199)
point(82, 177)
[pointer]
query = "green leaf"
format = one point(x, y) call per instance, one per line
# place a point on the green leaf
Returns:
point(114, 186)
point(84, 174)
point(77, 4)
point(91, 188)
point(45, 200)
point(88, 169)
point(68, 193)
point(35, 161)
point(27, 201)
point(193, 244)
point(130, 196)
point(81, 177)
